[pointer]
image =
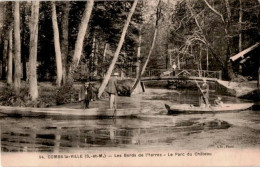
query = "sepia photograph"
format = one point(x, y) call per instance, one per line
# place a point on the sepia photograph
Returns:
point(130, 83)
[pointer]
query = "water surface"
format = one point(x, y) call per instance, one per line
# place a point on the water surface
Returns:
point(153, 129)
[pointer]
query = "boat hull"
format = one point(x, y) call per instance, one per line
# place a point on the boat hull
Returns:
point(184, 108)
point(61, 112)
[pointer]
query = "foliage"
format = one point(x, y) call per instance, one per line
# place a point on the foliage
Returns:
point(8, 97)
point(66, 94)
point(192, 42)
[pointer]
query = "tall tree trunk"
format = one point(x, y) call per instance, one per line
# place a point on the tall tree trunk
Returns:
point(120, 44)
point(138, 54)
point(24, 46)
point(10, 59)
point(56, 44)
point(258, 81)
point(104, 58)
point(80, 38)
point(207, 59)
point(200, 57)
point(240, 25)
point(150, 51)
point(96, 58)
point(2, 18)
point(17, 46)
point(93, 58)
point(229, 66)
point(5, 51)
point(33, 87)
point(65, 40)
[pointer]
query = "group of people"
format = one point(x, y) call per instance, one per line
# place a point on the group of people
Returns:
point(86, 92)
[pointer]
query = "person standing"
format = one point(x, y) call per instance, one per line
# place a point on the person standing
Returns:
point(112, 90)
point(204, 94)
point(85, 95)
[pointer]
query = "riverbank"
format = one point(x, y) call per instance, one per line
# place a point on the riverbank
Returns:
point(50, 95)
point(247, 89)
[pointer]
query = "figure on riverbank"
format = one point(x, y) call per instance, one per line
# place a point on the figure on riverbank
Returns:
point(204, 94)
point(85, 95)
point(112, 90)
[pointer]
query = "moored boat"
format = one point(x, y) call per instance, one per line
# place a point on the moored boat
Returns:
point(186, 108)
point(46, 112)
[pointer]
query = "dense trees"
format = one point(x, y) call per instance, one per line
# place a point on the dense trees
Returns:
point(74, 40)
point(215, 27)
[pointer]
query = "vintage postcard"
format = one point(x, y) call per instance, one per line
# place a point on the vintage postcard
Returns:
point(130, 83)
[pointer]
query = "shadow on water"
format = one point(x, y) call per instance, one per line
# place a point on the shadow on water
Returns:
point(56, 134)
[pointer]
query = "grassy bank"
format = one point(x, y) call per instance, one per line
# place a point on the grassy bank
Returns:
point(49, 95)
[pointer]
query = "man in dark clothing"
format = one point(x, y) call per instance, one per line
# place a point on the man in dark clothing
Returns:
point(85, 95)
point(112, 90)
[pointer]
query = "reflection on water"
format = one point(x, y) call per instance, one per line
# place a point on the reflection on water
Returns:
point(157, 131)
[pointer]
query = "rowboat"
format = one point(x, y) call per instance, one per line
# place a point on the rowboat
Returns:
point(50, 112)
point(186, 108)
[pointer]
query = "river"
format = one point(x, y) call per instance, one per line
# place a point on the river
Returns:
point(153, 129)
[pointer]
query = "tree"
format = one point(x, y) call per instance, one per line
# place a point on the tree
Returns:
point(120, 44)
point(10, 59)
point(17, 46)
point(240, 25)
point(80, 38)
point(138, 54)
point(5, 52)
point(56, 44)
point(33, 88)
point(5, 25)
point(226, 23)
point(2, 18)
point(158, 16)
point(64, 38)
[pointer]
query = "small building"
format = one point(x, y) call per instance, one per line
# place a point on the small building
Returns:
point(247, 61)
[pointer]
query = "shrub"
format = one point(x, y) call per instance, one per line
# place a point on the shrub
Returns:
point(66, 94)
point(8, 97)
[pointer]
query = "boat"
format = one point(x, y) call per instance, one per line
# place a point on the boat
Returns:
point(186, 108)
point(51, 112)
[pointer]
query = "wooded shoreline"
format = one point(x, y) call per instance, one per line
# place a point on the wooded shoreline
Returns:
point(66, 42)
